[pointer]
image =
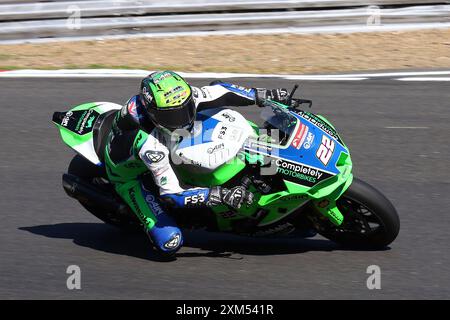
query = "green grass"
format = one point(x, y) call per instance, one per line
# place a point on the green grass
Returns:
point(92, 66)
point(101, 66)
point(9, 68)
point(95, 66)
point(5, 56)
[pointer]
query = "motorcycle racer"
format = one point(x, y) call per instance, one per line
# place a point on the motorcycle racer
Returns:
point(139, 142)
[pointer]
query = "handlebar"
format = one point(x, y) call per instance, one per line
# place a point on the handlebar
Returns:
point(295, 103)
point(291, 101)
point(291, 95)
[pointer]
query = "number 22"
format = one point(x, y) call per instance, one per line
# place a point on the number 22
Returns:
point(325, 151)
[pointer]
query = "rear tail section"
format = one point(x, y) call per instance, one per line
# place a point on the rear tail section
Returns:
point(76, 127)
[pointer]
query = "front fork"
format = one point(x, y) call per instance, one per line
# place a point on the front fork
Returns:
point(327, 205)
point(329, 209)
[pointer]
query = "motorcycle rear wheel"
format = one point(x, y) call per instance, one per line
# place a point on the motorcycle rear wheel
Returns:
point(87, 171)
point(370, 219)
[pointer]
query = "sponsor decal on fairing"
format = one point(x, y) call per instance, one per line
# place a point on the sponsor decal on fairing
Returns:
point(300, 173)
point(319, 123)
point(300, 136)
point(308, 141)
point(65, 120)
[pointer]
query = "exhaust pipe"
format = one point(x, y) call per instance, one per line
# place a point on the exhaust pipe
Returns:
point(83, 191)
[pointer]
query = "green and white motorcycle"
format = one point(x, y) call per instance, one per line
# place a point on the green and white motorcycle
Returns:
point(295, 163)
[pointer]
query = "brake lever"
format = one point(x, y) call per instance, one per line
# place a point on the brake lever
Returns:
point(291, 95)
point(306, 101)
point(295, 103)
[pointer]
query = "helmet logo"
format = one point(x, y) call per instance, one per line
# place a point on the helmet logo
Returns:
point(172, 91)
point(147, 94)
point(175, 95)
point(158, 77)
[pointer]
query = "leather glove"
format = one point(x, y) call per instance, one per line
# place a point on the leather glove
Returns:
point(280, 95)
point(233, 197)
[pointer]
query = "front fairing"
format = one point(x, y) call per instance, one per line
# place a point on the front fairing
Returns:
point(325, 150)
point(312, 160)
point(319, 145)
point(313, 163)
point(306, 150)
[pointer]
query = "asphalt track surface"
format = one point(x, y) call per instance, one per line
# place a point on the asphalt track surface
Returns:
point(42, 231)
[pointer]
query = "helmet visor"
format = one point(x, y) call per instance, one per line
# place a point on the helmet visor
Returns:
point(180, 117)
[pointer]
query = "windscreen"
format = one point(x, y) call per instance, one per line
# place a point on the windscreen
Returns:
point(277, 117)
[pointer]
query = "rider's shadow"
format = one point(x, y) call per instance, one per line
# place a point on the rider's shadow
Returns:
point(102, 237)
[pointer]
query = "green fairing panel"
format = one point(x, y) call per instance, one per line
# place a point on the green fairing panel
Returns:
point(73, 139)
point(77, 124)
point(280, 204)
point(131, 169)
point(69, 131)
point(214, 178)
point(85, 106)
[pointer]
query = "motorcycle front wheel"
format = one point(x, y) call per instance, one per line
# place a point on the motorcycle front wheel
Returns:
point(370, 219)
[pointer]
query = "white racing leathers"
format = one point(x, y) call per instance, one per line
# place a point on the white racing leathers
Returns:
point(155, 151)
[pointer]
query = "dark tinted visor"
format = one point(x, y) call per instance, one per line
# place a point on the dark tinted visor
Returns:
point(176, 118)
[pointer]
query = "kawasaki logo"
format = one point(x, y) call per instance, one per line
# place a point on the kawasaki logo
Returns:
point(85, 119)
point(136, 207)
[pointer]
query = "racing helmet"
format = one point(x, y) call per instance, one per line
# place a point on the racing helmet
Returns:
point(168, 100)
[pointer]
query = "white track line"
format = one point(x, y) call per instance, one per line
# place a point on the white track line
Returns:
point(125, 73)
point(113, 73)
point(406, 127)
point(424, 79)
point(396, 74)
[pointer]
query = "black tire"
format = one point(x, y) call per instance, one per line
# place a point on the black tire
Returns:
point(87, 171)
point(363, 205)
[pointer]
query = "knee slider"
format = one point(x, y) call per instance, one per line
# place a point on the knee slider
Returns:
point(167, 239)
